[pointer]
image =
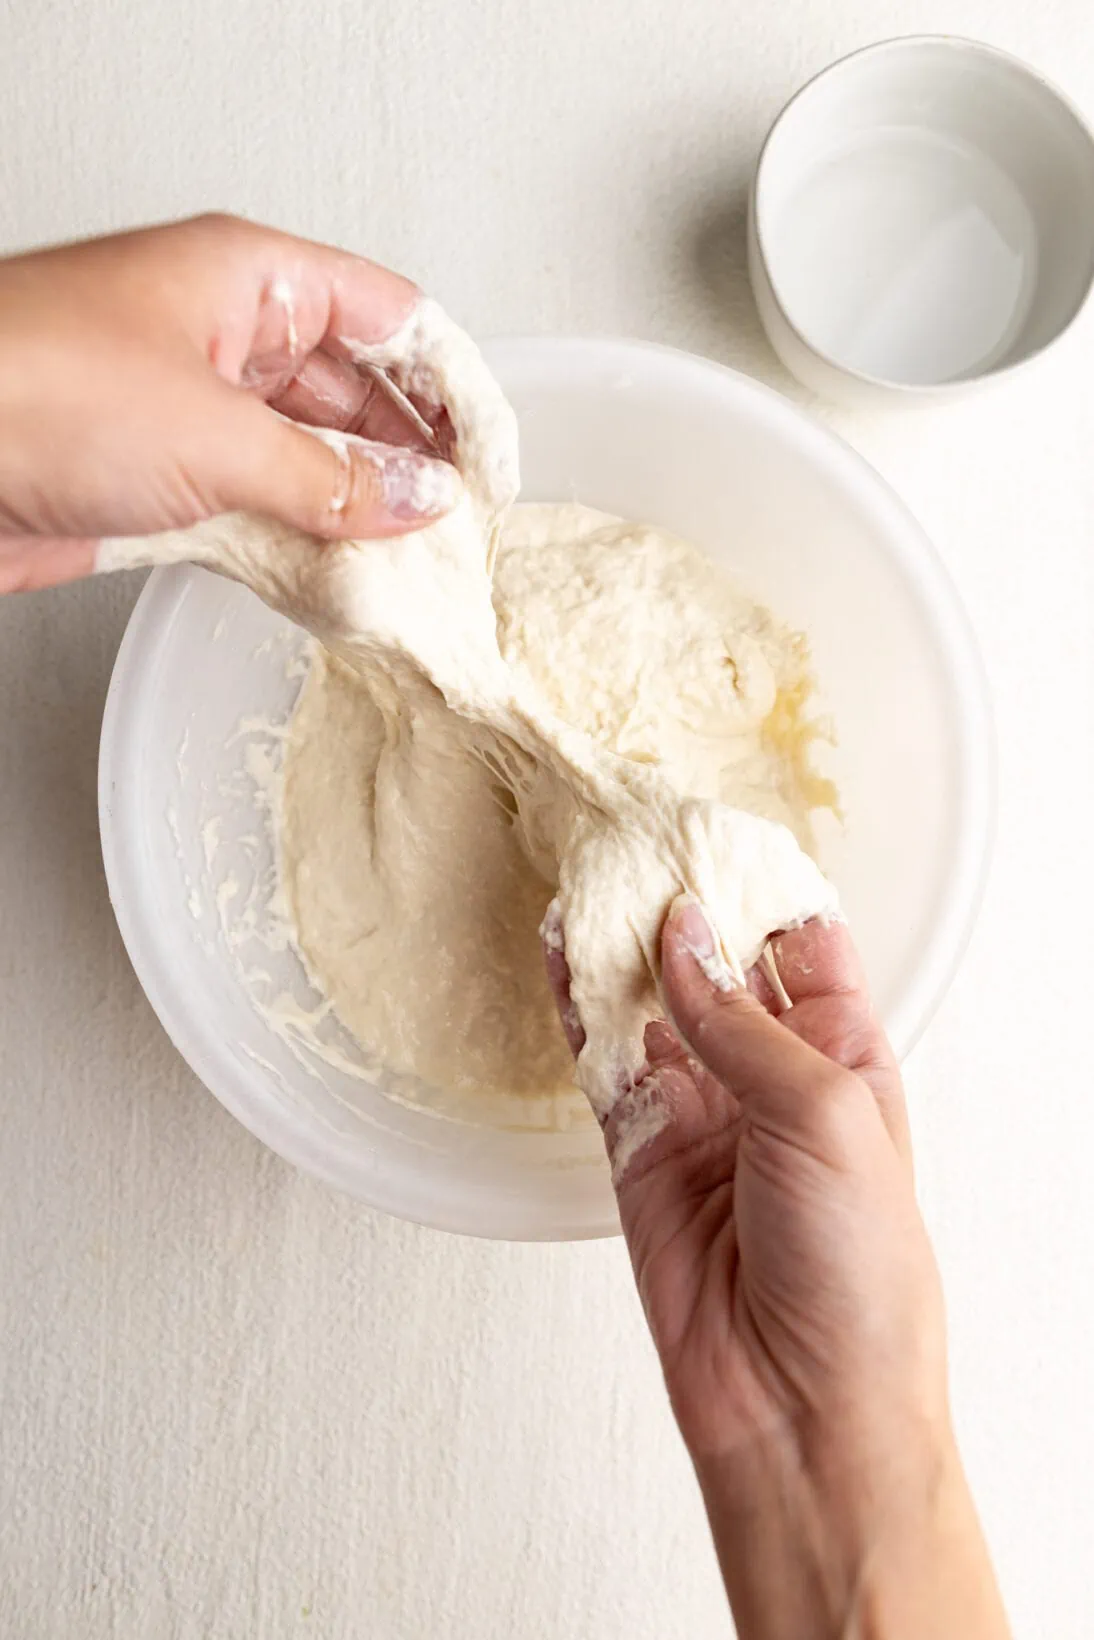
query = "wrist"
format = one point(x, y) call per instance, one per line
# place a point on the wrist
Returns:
point(816, 1546)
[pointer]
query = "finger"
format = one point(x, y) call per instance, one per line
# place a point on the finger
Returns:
point(367, 306)
point(673, 1099)
point(759, 983)
point(558, 976)
point(328, 483)
point(830, 1008)
point(439, 422)
point(782, 1083)
point(709, 1105)
point(818, 959)
point(642, 1109)
point(29, 562)
point(674, 1108)
point(329, 393)
point(260, 301)
point(369, 302)
point(663, 1047)
point(438, 369)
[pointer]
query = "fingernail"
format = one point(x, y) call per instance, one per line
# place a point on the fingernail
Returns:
point(416, 486)
point(692, 928)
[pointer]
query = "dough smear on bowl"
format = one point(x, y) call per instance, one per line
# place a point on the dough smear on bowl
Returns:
point(541, 736)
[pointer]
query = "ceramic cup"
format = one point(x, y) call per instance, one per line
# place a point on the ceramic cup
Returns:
point(922, 219)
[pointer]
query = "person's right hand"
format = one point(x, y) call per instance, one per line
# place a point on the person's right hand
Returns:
point(153, 379)
point(794, 1300)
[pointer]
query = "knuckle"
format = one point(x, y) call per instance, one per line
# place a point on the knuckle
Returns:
point(218, 224)
point(841, 1099)
point(848, 1034)
point(846, 1042)
point(343, 483)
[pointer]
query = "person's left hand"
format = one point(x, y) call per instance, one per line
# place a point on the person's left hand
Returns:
point(139, 380)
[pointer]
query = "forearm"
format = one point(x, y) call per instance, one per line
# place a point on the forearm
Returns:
point(827, 1556)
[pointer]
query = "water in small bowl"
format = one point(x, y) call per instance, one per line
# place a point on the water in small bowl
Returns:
point(922, 219)
point(939, 287)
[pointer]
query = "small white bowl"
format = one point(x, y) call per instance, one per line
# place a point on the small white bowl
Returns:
point(651, 434)
point(922, 219)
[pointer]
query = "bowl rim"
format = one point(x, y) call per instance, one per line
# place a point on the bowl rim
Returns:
point(910, 391)
point(318, 1151)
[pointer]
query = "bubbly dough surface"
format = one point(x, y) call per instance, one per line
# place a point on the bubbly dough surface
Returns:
point(412, 897)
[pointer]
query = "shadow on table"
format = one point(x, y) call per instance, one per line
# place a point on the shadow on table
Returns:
point(717, 257)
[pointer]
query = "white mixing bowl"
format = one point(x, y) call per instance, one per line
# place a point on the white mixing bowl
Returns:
point(651, 434)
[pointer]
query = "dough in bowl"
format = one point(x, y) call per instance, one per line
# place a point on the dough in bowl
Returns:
point(411, 896)
point(611, 834)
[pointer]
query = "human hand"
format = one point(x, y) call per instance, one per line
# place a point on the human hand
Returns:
point(139, 380)
point(793, 1297)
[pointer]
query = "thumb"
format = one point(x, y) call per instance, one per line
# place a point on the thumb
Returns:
point(781, 1083)
point(329, 483)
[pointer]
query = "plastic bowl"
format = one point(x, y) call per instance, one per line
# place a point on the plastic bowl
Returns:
point(651, 434)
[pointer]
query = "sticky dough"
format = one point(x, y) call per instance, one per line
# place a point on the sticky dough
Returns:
point(465, 711)
point(410, 895)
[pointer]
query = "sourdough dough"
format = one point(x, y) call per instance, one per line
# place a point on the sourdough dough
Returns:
point(606, 830)
point(410, 893)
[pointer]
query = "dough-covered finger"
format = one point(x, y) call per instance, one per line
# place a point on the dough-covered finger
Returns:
point(29, 562)
point(331, 484)
point(830, 1008)
point(327, 392)
point(818, 959)
point(368, 302)
point(672, 1101)
point(558, 977)
point(439, 422)
point(445, 378)
point(780, 1081)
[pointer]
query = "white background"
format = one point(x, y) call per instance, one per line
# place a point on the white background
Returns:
point(233, 1404)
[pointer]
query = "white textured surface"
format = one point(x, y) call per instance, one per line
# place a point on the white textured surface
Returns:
point(234, 1405)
